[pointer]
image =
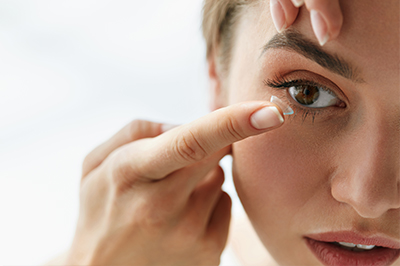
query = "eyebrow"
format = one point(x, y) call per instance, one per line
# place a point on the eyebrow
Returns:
point(295, 41)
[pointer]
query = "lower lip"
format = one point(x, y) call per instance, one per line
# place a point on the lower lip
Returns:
point(332, 255)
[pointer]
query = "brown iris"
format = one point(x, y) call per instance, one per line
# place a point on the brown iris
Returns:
point(305, 94)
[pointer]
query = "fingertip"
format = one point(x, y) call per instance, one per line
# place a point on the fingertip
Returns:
point(336, 27)
point(278, 15)
point(267, 117)
point(218, 227)
point(290, 12)
point(298, 3)
point(320, 26)
point(227, 200)
point(216, 177)
point(326, 19)
point(229, 150)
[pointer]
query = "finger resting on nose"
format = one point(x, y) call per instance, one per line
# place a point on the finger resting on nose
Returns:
point(198, 140)
point(137, 129)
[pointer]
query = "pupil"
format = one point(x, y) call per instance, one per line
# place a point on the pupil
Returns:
point(306, 94)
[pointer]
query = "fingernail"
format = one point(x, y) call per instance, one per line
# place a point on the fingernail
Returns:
point(266, 117)
point(298, 3)
point(320, 27)
point(286, 110)
point(278, 15)
point(166, 127)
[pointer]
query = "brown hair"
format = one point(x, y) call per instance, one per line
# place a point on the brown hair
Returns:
point(219, 20)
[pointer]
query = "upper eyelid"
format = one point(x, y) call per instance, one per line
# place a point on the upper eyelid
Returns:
point(284, 84)
point(304, 111)
point(310, 78)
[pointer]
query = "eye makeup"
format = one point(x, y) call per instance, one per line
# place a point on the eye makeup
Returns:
point(306, 96)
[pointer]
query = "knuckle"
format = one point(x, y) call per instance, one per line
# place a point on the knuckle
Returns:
point(89, 162)
point(234, 130)
point(189, 148)
point(121, 172)
point(134, 128)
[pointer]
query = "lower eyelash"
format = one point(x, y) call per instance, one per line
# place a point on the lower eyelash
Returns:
point(298, 110)
point(280, 83)
point(307, 112)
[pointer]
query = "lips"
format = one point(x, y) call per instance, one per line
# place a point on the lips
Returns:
point(328, 251)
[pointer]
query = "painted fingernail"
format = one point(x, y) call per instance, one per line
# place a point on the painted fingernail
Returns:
point(266, 117)
point(320, 27)
point(278, 15)
point(298, 3)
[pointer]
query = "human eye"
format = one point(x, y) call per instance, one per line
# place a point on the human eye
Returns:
point(306, 95)
point(312, 96)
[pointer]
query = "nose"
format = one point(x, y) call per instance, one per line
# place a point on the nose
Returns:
point(368, 177)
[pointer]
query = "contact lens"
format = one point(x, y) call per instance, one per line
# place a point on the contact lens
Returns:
point(286, 110)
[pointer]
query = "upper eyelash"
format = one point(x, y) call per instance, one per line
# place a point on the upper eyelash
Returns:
point(280, 82)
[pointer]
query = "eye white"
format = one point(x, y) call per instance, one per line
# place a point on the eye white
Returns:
point(325, 98)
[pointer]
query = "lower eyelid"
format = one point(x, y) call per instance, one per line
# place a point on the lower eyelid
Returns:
point(301, 77)
point(341, 103)
point(280, 84)
point(303, 113)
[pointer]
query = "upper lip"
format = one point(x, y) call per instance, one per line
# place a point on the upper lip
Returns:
point(355, 238)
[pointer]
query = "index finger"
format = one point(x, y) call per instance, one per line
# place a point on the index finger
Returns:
point(198, 140)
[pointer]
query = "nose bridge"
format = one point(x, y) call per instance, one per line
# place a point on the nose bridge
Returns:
point(368, 177)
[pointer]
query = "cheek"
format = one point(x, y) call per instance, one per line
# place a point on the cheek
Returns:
point(277, 168)
point(279, 179)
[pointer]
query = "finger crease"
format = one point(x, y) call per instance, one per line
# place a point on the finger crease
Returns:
point(198, 144)
point(232, 130)
point(187, 152)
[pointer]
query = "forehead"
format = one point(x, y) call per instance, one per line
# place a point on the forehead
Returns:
point(369, 38)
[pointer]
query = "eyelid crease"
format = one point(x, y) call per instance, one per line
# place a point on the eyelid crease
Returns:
point(280, 83)
point(304, 77)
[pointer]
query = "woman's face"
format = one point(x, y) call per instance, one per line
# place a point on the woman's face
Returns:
point(332, 169)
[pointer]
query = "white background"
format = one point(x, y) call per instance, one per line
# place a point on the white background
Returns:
point(72, 73)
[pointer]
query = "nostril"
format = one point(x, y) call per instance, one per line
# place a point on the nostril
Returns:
point(368, 201)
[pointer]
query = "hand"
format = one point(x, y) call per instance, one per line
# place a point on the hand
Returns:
point(148, 198)
point(326, 16)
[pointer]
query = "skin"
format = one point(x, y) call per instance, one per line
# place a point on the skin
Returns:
point(340, 172)
point(326, 18)
point(146, 191)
